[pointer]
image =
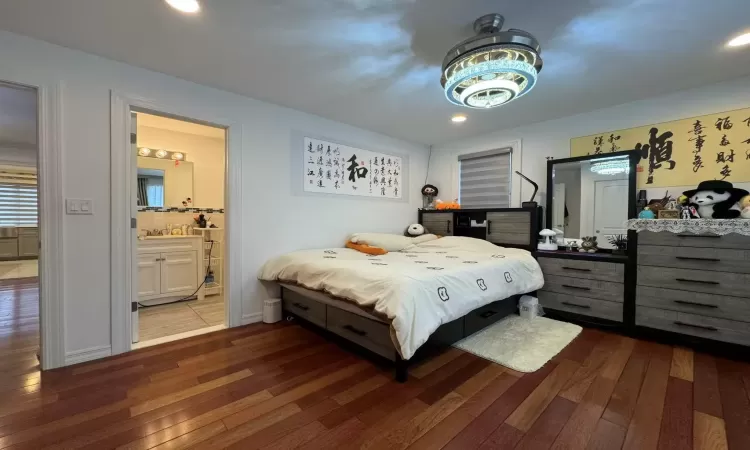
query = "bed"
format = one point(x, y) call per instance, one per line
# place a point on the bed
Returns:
point(437, 291)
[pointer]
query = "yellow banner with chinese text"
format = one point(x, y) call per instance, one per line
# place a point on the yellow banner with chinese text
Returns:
point(683, 152)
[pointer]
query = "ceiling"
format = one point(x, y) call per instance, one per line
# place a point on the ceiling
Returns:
point(376, 63)
point(181, 126)
point(18, 117)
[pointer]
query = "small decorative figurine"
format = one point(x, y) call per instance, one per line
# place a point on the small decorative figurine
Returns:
point(589, 244)
point(429, 192)
point(647, 213)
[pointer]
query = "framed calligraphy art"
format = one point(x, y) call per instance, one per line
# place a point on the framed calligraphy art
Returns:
point(682, 152)
point(332, 168)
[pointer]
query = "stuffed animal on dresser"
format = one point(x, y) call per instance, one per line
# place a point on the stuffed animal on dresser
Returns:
point(716, 199)
point(745, 206)
point(588, 244)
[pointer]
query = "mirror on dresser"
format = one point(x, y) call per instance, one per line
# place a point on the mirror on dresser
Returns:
point(590, 196)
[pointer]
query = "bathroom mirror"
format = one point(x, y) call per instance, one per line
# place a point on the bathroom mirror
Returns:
point(591, 196)
point(165, 183)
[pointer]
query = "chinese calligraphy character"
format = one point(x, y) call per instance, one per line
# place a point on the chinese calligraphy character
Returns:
point(746, 142)
point(328, 152)
point(320, 173)
point(311, 160)
point(336, 184)
point(725, 172)
point(612, 141)
point(747, 121)
point(720, 157)
point(699, 140)
point(320, 184)
point(382, 191)
point(395, 192)
point(328, 163)
point(320, 148)
point(724, 141)
point(337, 152)
point(382, 161)
point(723, 123)
point(354, 170)
point(320, 160)
point(598, 142)
point(310, 148)
point(310, 173)
point(658, 151)
point(328, 175)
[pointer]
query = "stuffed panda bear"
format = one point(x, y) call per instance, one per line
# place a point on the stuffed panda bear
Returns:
point(716, 199)
point(415, 230)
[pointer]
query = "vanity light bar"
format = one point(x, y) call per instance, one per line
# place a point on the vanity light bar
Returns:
point(611, 167)
point(161, 154)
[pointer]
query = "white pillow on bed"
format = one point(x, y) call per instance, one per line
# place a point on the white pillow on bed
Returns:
point(389, 242)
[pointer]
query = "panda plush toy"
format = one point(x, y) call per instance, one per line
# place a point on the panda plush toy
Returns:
point(415, 230)
point(715, 199)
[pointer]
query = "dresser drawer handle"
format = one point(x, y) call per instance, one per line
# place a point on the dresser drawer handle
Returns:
point(685, 280)
point(702, 305)
point(576, 287)
point(700, 327)
point(448, 225)
point(576, 269)
point(693, 258)
point(576, 305)
point(356, 331)
point(487, 314)
point(301, 306)
point(489, 227)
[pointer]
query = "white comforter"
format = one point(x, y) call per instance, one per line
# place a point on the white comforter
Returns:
point(419, 288)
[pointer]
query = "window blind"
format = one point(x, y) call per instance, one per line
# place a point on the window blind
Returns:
point(18, 199)
point(484, 179)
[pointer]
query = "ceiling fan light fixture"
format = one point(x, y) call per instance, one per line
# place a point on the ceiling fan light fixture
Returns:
point(493, 68)
point(186, 6)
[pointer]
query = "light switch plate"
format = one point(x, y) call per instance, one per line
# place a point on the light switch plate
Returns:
point(79, 206)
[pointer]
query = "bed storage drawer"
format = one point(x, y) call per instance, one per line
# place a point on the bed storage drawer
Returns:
point(577, 268)
point(374, 336)
point(305, 308)
point(581, 305)
point(694, 325)
point(489, 314)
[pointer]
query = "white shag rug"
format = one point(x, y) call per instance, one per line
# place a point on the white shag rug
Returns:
point(521, 344)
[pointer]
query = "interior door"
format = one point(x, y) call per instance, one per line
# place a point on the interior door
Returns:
point(178, 271)
point(149, 275)
point(558, 208)
point(610, 209)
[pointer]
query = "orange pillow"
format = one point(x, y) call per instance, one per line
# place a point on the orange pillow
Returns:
point(364, 248)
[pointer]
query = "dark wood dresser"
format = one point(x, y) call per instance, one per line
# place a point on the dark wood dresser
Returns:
point(696, 285)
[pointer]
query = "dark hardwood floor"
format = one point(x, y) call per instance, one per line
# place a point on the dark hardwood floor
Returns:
point(284, 387)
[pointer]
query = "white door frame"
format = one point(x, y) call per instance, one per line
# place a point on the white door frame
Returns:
point(51, 214)
point(124, 238)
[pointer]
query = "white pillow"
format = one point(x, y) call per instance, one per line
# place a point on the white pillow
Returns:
point(388, 242)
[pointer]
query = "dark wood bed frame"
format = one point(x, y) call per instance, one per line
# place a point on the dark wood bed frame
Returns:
point(360, 330)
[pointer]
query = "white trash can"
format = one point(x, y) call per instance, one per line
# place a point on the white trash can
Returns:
point(529, 307)
point(272, 310)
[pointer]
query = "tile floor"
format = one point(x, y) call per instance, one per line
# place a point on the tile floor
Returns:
point(18, 269)
point(175, 318)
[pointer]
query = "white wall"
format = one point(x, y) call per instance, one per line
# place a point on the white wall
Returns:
point(206, 154)
point(276, 218)
point(552, 138)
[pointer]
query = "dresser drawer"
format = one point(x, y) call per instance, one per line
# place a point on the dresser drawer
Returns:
point(578, 268)
point(487, 315)
point(714, 259)
point(370, 334)
point(694, 325)
point(603, 290)
point(305, 308)
point(721, 306)
point(581, 305)
point(509, 217)
point(731, 241)
point(722, 283)
point(438, 223)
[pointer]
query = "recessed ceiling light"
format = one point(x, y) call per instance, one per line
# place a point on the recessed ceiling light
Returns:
point(186, 6)
point(458, 118)
point(739, 41)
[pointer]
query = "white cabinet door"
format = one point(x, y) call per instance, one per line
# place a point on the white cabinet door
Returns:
point(149, 275)
point(178, 272)
point(28, 245)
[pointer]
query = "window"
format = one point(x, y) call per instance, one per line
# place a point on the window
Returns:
point(18, 199)
point(484, 179)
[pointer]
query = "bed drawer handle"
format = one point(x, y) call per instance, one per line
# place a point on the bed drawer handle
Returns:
point(576, 269)
point(702, 305)
point(576, 305)
point(685, 280)
point(301, 306)
point(576, 287)
point(487, 314)
point(356, 331)
point(695, 258)
point(690, 325)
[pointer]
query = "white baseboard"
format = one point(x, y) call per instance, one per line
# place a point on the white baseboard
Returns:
point(88, 354)
point(247, 319)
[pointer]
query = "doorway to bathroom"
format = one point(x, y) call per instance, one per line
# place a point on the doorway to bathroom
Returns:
point(179, 192)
